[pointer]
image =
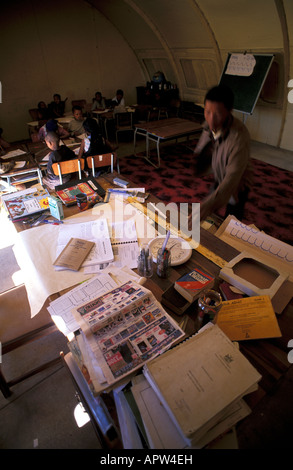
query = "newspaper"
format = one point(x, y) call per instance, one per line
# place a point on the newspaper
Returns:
point(125, 328)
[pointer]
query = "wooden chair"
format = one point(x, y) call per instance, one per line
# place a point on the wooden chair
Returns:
point(68, 166)
point(17, 328)
point(80, 103)
point(34, 114)
point(105, 159)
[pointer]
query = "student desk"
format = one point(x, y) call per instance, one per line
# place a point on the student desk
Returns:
point(64, 120)
point(163, 130)
point(29, 172)
point(268, 356)
point(108, 115)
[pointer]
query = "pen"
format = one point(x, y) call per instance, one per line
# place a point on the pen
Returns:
point(165, 242)
point(53, 222)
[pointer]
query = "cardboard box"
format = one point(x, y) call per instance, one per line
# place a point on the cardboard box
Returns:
point(252, 276)
point(55, 206)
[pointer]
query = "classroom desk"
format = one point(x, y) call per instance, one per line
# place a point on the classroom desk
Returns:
point(268, 356)
point(29, 172)
point(108, 115)
point(104, 117)
point(163, 130)
point(62, 120)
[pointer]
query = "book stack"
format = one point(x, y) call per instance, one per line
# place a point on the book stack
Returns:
point(200, 384)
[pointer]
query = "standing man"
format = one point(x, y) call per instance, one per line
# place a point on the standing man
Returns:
point(226, 141)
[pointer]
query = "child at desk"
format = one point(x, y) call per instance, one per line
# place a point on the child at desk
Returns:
point(99, 103)
point(43, 111)
point(75, 127)
point(94, 143)
point(58, 154)
point(57, 106)
point(52, 126)
point(118, 99)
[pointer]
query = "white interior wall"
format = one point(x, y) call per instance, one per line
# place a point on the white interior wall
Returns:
point(78, 47)
point(67, 47)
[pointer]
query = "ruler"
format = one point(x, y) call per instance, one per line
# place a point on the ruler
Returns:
point(160, 219)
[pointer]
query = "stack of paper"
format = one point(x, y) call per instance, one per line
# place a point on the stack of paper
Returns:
point(201, 383)
point(95, 231)
point(120, 330)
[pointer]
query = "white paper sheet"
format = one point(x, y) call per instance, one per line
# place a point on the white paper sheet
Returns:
point(241, 64)
point(35, 251)
point(13, 153)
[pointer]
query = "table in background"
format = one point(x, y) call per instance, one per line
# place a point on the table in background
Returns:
point(163, 130)
point(107, 116)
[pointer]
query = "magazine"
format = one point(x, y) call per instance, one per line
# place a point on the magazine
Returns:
point(124, 328)
point(29, 201)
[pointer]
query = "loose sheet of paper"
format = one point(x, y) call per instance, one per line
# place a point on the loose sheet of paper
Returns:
point(241, 64)
point(13, 153)
point(248, 318)
point(60, 309)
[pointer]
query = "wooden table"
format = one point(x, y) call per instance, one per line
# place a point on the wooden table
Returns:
point(163, 130)
point(268, 356)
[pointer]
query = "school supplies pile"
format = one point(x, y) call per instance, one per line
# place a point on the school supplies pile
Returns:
point(21, 204)
point(200, 384)
point(89, 186)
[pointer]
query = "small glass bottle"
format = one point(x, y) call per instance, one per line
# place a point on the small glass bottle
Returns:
point(145, 262)
point(209, 304)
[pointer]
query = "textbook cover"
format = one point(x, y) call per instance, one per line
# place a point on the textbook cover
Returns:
point(67, 191)
point(191, 284)
point(26, 202)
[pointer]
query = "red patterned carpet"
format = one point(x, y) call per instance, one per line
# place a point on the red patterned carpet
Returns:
point(270, 206)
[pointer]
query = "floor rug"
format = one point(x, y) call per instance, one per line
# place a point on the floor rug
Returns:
point(270, 205)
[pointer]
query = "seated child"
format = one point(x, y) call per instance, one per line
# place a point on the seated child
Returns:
point(75, 127)
point(57, 106)
point(94, 143)
point(118, 99)
point(52, 126)
point(58, 154)
point(98, 102)
point(43, 111)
